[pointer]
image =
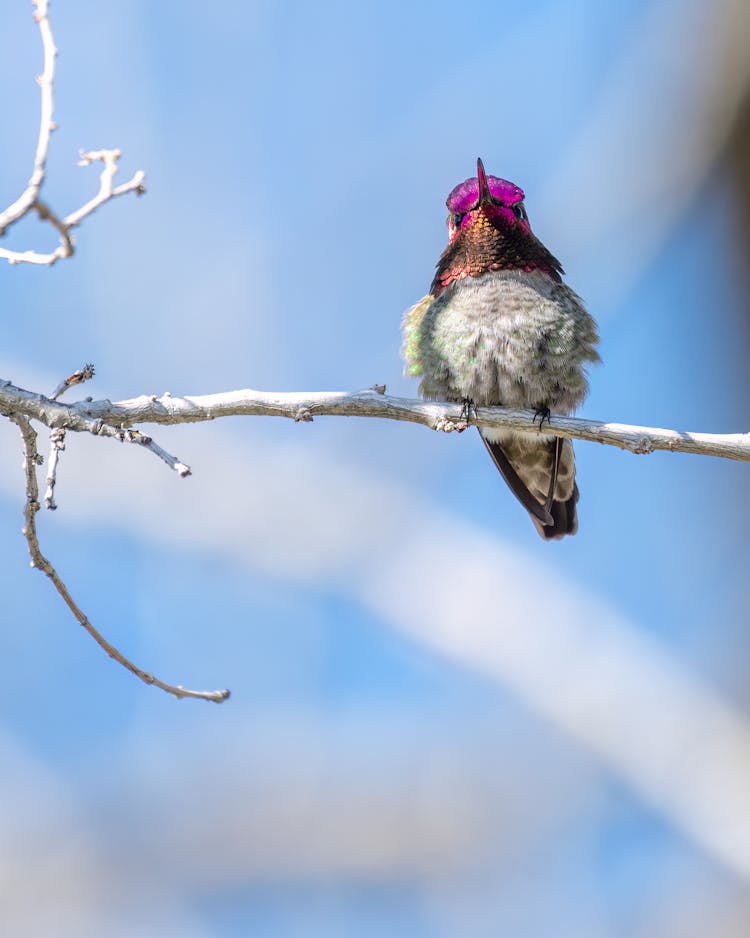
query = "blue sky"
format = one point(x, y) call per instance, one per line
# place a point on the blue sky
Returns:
point(439, 725)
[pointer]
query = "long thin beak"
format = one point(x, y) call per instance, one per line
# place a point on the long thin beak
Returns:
point(484, 189)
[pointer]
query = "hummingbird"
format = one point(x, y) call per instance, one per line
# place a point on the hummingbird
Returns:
point(499, 327)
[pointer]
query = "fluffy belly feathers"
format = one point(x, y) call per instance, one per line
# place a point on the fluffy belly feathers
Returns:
point(509, 337)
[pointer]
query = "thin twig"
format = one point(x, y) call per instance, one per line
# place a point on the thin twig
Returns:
point(57, 435)
point(38, 560)
point(29, 199)
point(128, 435)
point(106, 190)
point(106, 418)
point(78, 377)
point(56, 446)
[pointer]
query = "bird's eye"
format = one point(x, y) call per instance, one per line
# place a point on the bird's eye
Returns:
point(520, 212)
point(456, 220)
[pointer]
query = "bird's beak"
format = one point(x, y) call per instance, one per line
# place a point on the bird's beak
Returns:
point(485, 196)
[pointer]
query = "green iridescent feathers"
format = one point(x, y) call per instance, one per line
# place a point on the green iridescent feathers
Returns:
point(412, 330)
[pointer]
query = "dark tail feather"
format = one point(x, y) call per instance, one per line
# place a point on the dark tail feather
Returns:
point(564, 519)
point(556, 518)
point(537, 511)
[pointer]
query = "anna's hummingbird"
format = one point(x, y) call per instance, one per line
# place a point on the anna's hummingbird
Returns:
point(499, 327)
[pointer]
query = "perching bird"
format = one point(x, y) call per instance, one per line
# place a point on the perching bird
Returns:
point(499, 327)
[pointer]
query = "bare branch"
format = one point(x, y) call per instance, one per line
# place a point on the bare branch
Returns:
point(105, 418)
point(54, 414)
point(38, 560)
point(29, 199)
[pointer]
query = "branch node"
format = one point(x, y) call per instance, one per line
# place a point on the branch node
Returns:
point(643, 445)
point(302, 415)
point(444, 424)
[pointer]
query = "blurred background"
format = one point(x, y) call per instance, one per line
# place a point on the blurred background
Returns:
point(439, 724)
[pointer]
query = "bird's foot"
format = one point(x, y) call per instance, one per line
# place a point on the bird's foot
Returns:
point(466, 410)
point(543, 413)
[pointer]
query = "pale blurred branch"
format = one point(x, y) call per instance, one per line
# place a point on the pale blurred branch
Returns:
point(116, 419)
point(32, 459)
point(29, 199)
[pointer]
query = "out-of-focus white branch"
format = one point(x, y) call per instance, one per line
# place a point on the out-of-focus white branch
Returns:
point(29, 199)
point(106, 418)
point(46, 83)
point(31, 460)
point(107, 190)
